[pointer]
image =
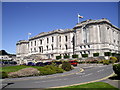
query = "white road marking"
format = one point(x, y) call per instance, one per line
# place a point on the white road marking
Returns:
point(100, 70)
point(51, 80)
point(88, 74)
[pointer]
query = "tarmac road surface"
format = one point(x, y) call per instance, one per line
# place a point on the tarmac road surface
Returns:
point(90, 73)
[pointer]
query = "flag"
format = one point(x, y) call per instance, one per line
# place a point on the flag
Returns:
point(80, 16)
point(29, 33)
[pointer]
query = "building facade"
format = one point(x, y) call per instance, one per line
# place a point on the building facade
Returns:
point(87, 37)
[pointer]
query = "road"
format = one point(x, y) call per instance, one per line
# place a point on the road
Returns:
point(90, 73)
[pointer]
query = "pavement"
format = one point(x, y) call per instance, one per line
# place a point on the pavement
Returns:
point(115, 83)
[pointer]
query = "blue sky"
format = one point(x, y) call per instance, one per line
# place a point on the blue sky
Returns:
point(18, 19)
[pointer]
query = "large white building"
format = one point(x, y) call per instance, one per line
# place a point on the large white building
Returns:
point(90, 36)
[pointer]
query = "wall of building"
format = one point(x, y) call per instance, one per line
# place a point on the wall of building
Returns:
point(90, 37)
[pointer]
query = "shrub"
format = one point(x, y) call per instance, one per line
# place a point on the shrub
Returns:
point(84, 55)
point(81, 62)
point(107, 53)
point(101, 61)
point(116, 68)
point(3, 75)
point(24, 72)
point(58, 57)
point(105, 62)
point(75, 56)
point(113, 59)
point(66, 66)
point(113, 54)
point(66, 56)
point(46, 71)
point(54, 68)
point(118, 56)
point(94, 61)
point(49, 69)
point(95, 54)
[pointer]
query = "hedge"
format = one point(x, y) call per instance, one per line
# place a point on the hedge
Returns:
point(3, 75)
point(95, 54)
point(84, 55)
point(107, 53)
point(116, 68)
point(113, 59)
point(106, 62)
point(113, 54)
point(75, 56)
point(58, 57)
point(49, 69)
point(66, 66)
point(66, 56)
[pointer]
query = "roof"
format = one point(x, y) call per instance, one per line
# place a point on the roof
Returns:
point(83, 23)
point(22, 41)
point(90, 21)
point(60, 31)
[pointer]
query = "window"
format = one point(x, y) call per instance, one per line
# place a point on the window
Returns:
point(47, 40)
point(88, 46)
point(66, 47)
point(52, 39)
point(88, 52)
point(52, 47)
point(84, 46)
point(66, 38)
point(31, 50)
point(60, 46)
point(85, 41)
point(41, 49)
point(40, 41)
point(80, 47)
point(84, 52)
point(118, 42)
point(60, 38)
point(52, 55)
point(47, 48)
point(107, 28)
point(35, 43)
point(114, 41)
point(31, 43)
point(34, 49)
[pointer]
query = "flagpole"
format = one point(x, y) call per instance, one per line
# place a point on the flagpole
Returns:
point(29, 35)
point(78, 18)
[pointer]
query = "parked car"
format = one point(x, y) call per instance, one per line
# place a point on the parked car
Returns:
point(13, 62)
point(58, 62)
point(39, 64)
point(6, 62)
point(73, 62)
point(47, 63)
point(31, 64)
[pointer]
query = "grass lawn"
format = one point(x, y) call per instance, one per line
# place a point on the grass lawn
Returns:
point(90, 86)
point(16, 68)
